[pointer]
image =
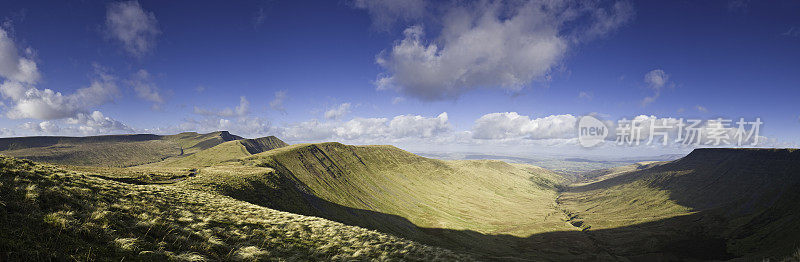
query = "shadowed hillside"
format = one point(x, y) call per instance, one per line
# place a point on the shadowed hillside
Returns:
point(743, 200)
point(112, 150)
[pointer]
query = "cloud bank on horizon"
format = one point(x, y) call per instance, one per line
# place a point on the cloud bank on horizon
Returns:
point(441, 58)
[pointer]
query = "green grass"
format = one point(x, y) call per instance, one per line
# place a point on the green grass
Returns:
point(224, 152)
point(388, 189)
point(745, 198)
point(49, 213)
point(110, 151)
point(220, 201)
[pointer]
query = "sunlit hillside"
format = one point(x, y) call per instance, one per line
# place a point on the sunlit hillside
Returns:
point(48, 213)
point(112, 150)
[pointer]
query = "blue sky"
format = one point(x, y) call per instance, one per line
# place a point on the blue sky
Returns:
point(508, 76)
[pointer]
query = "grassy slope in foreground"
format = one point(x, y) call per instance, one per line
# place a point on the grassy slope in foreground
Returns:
point(711, 204)
point(488, 207)
point(111, 150)
point(47, 213)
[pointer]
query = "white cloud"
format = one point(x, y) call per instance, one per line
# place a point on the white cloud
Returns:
point(13, 67)
point(418, 126)
point(338, 111)
point(362, 130)
point(94, 123)
point(247, 126)
point(5, 132)
point(241, 110)
point(385, 13)
point(136, 28)
point(606, 20)
point(236, 120)
point(585, 95)
point(491, 45)
point(701, 109)
point(30, 102)
point(146, 89)
point(277, 102)
point(656, 80)
point(97, 123)
point(26, 101)
point(512, 125)
point(398, 100)
point(47, 127)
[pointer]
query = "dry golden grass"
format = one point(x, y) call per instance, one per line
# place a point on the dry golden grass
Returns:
point(49, 213)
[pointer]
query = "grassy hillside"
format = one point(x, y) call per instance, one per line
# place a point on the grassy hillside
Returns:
point(110, 151)
point(227, 151)
point(603, 174)
point(485, 207)
point(220, 200)
point(51, 214)
point(711, 204)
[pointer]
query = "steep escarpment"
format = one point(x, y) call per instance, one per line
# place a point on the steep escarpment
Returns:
point(224, 152)
point(262, 144)
point(743, 201)
point(455, 204)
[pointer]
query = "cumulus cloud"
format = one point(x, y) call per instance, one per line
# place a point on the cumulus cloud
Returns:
point(277, 102)
point(42, 127)
point(94, 123)
point(385, 13)
point(418, 126)
point(134, 27)
point(237, 120)
point(5, 132)
point(492, 45)
point(338, 111)
point(146, 89)
point(512, 125)
point(23, 100)
point(97, 123)
point(29, 102)
point(369, 129)
point(241, 110)
point(656, 80)
point(14, 67)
